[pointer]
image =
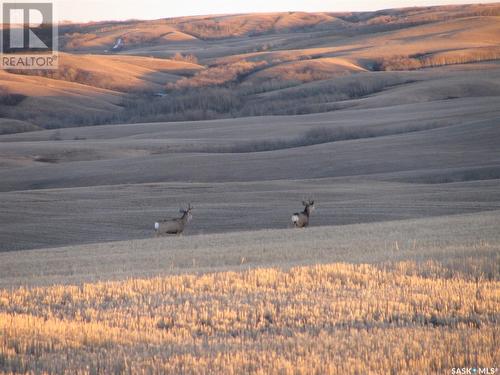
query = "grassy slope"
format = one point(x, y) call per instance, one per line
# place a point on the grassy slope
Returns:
point(86, 86)
point(128, 73)
point(203, 29)
point(425, 291)
point(450, 240)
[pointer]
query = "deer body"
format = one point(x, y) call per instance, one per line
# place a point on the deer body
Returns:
point(173, 226)
point(301, 219)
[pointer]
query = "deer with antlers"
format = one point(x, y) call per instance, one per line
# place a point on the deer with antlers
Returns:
point(174, 226)
point(301, 219)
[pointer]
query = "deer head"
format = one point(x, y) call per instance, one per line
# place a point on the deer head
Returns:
point(187, 213)
point(309, 205)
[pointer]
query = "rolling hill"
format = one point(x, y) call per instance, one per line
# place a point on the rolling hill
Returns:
point(397, 109)
point(362, 165)
point(208, 67)
point(85, 89)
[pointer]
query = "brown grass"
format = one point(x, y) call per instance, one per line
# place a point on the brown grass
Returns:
point(338, 318)
point(120, 73)
point(85, 89)
point(219, 75)
point(307, 70)
point(104, 36)
point(460, 56)
point(255, 24)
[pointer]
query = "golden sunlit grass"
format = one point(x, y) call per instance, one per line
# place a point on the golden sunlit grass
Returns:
point(403, 318)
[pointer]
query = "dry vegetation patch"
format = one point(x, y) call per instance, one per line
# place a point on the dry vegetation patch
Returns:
point(104, 35)
point(121, 73)
point(425, 60)
point(249, 24)
point(398, 318)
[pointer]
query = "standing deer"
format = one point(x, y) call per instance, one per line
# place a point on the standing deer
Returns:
point(174, 226)
point(301, 219)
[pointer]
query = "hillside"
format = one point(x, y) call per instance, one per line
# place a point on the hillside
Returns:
point(135, 33)
point(209, 67)
point(85, 89)
point(395, 117)
point(362, 165)
point(450, 240)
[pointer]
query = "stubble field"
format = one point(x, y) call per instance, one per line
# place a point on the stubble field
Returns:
point(395, 297)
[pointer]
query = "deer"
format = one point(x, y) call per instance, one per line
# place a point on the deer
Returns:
point(301, 219)
point(174, 226)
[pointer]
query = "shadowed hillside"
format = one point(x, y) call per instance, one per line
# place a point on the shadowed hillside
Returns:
point(112, 182)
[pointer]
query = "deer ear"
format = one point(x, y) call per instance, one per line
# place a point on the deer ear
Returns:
point(312, 203)
point(304, 203)
point(181, 211)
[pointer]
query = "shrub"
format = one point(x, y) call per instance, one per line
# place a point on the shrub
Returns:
point(186, 58)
